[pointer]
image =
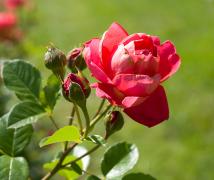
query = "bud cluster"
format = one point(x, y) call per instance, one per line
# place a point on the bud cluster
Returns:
point(75, 86)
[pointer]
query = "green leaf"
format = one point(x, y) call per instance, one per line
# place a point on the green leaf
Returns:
point(119, 159)
point(67, 133)
point(79, 151)
point(97, 139)
point(76, 168)
point(69, 173)
point(23, 114)
point(50, 92)
point(13, 141)
point(22, 78)
point(13, 168)
point(93, 177)
point(138, 176)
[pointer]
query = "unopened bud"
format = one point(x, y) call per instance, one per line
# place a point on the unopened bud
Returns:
point(114, 123)
point(76, 89)
point(55, 60)
point(76, 60)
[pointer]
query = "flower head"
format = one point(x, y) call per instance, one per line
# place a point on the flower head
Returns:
point(130, 69)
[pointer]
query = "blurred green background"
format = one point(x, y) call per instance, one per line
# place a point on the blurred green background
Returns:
point(183, 147)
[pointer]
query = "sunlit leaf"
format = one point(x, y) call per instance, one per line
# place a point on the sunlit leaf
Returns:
point(97, 139)
point(119, 159)
point(79, 151)
point(67, 133)
point(68, 173)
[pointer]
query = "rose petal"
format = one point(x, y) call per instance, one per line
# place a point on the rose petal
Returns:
point(98, 73)
point(169, 60)
point(109, 42)
point(131, 101)
point(93, 61)
point(91, 52)
point(121, 62)
point(136, 85)
point(156, 40)
point(130, 38)
point(109, 92)
point(152, 111)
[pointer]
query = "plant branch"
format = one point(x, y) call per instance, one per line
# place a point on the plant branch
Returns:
point(98, 117)
point(53, 121)
point(86, 154)
point(100, 107)
point(59, 164)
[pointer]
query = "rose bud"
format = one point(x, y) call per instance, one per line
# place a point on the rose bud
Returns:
point(75, 60)
point(130, 69)
point(76, 89)
point(114, 123)
point(55, 60)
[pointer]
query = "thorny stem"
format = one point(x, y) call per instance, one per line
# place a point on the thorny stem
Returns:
point(59, 164)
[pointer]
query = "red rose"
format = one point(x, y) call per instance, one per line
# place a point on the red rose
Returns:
point(7, 20)
point(8, 29)
point(14, 3)
point(130, 69)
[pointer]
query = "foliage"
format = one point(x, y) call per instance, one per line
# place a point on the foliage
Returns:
point(35, 102)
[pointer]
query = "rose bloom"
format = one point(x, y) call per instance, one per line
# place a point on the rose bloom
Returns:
point(130, 69)
point(14, 3)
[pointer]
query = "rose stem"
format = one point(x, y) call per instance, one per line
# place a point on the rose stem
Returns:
point(71, 118)
point(78, 118)
point(53, 121)
point(59, 164)
point(100, 107)
point(97, 118)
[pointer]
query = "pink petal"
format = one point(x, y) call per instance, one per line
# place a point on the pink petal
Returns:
point(109, 42)
point(121, 62)
point(169, 60)
point(131, 101)
point(130, 38)
point(152, 111)
point(91, 52)
point(109, 92)
point(136, 85)
point(98, 73)
point(148, 65)
point(156, 40)
point(93, 61)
